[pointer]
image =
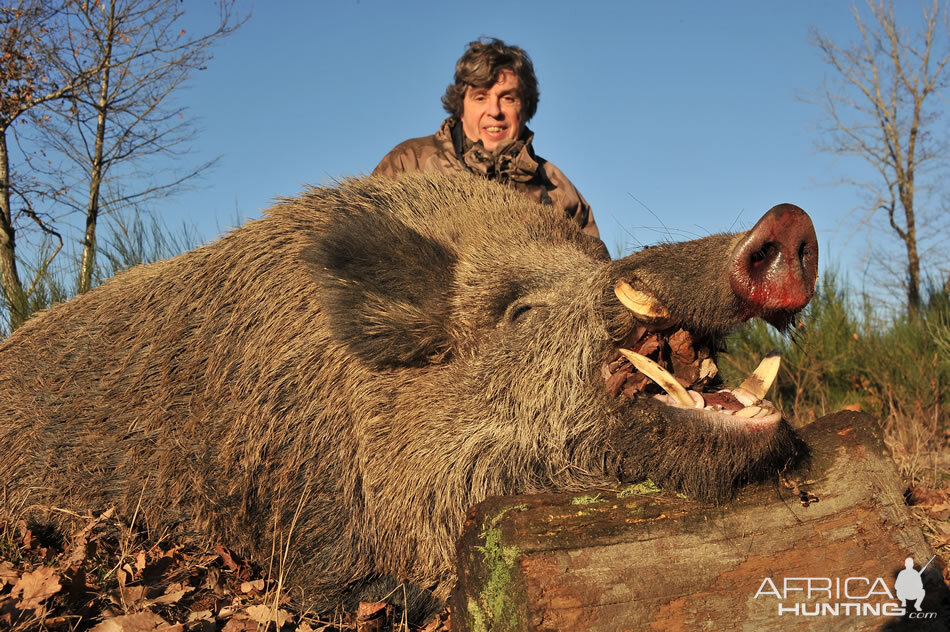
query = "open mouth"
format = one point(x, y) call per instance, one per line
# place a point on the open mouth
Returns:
point(669, 365)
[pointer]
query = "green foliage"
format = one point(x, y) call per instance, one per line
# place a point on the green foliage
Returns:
point(818, 355)
point(844, 354)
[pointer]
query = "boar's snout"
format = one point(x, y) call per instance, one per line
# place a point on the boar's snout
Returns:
point(775, 265)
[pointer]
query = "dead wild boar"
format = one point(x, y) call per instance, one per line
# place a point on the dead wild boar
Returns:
point(377, 356)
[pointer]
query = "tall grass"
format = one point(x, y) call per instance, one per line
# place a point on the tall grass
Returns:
point(128, 240)
point(140, 238)
point(844, 354)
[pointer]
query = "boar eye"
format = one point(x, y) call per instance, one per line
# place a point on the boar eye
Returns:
point(518, 310)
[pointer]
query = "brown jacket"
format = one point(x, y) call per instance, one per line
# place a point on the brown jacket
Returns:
point(513, 162)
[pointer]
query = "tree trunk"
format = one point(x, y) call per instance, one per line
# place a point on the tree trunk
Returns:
point(9, 277)
point(913, 258)
point(657, 562)
point(88, 261)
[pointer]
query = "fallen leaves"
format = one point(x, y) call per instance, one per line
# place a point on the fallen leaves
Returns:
point(105, 579)
point(138, 622)
point(932, 508)
point(676, 351)
point(33, 588)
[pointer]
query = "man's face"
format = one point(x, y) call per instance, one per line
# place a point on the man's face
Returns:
point(493, 114)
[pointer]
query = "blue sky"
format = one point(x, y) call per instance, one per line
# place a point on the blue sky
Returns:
point(674, 119)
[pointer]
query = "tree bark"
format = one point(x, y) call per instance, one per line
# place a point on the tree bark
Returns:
point(9, 277)
point(88, 261)
point(657, 562)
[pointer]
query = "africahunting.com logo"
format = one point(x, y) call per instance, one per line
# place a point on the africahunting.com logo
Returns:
point(850, 596)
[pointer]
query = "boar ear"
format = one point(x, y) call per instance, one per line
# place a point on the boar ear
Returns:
point(386, 289)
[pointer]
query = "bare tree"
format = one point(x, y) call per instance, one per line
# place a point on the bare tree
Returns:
point(31, 43)
point(879, 107)
point(127, 115)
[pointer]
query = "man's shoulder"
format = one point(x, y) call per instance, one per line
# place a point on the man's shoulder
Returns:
point(412, 145)
point(553, 173)
point(414, 154)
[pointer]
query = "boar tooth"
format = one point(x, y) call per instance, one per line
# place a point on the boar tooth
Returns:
point(762, 378)
point(748, 412)
point(640, 303)
point(661, 376)
point(744, 397)
point(707, 368)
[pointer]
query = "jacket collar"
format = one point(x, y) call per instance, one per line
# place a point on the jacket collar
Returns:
point(512, 160)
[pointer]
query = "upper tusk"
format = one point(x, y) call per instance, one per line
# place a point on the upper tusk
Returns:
point(640, 303)
point(764, 375)
point(661, 376)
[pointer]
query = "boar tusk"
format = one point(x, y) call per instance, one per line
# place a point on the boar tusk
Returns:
point(640, 303)
point(661, 376)
point(748, 412)
point(764, 375)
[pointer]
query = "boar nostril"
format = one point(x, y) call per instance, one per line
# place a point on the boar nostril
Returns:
point(774, 267)
point(765, 253)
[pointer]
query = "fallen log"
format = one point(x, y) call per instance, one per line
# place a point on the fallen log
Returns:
point(818, 549)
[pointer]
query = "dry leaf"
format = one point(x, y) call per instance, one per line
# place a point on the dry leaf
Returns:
point(132, 596)
point(173, 593)
point(215, 583)
point(234, 563)
point(257, 584)
point(138, 622)
point(264, 614)
point(259, 613)
point(681, 345)
point(8, 574)
point(122, 577)
point(80, 539)
point(372, 616)
point(227, 611)
point(25, 534)
point(241, 625)
point(203, 615)
point(140, 561)
point(226, 557)
point(35, 587)
point(442, 623)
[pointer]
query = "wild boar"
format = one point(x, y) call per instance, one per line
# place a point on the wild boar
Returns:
point(370, 359)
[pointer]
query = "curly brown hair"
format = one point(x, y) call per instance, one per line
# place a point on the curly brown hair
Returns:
point(480, 66)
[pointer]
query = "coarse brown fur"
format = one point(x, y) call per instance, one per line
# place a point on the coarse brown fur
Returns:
point(381, 353)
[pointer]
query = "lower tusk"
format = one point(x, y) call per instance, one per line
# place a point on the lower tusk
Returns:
point(661, 376)
point(748, 412)
point(764, 375)
point(640, 303)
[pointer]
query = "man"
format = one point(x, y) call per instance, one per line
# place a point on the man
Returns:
point(494, 95)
